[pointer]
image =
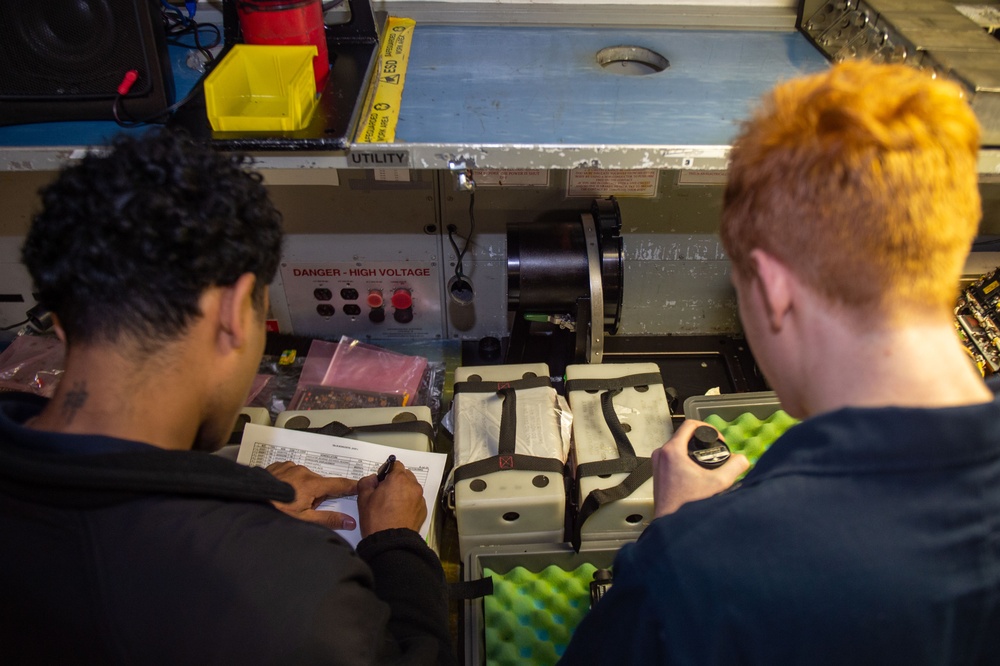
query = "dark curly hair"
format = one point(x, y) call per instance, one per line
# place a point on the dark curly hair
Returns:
point(127, 241)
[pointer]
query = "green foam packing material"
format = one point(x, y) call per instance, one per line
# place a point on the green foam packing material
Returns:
point(530, 617)
point(750, 436)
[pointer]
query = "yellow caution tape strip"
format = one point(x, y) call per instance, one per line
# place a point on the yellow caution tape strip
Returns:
point(378, 125)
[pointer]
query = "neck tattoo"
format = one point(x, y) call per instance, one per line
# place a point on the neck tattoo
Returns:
point(75, 398)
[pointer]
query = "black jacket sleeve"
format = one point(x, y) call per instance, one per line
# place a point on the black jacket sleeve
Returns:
point(408, 577)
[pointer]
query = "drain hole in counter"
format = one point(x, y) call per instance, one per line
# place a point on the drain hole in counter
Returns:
point(631, 60)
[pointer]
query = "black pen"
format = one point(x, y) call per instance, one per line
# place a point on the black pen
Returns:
point(384, 469)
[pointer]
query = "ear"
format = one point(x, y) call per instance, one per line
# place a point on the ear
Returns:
point(58, 329)
point(775, 286)
point(236, 311)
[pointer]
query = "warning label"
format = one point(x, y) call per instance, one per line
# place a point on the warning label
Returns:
point(701, 177)
point(402, 271)
point(378, 125)
point(613, 182)
point(511, 177)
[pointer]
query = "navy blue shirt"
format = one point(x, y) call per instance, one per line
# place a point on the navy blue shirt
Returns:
point(863, 536)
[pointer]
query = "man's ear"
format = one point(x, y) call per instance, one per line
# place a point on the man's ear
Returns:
point(236, 310)
point(775, 287)
point(58, 329)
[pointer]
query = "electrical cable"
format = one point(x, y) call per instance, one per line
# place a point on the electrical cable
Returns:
point(182, 26)
point(166, 6)
point(460, 288)
point(18, 324)
point(452, 230)
point(176, 27)
point(117, 108)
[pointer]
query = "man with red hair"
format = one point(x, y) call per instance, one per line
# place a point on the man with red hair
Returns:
point(870, 532)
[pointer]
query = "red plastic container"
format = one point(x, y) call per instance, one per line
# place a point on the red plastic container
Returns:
point(287, 22)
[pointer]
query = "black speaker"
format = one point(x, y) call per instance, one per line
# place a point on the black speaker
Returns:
point(64, 59)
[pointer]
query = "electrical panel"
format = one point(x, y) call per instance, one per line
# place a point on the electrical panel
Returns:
point(976, 317)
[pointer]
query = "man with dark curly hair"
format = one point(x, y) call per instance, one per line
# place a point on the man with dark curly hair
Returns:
point(124, 541)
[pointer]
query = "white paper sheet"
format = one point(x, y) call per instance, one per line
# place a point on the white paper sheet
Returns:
point(339, 456)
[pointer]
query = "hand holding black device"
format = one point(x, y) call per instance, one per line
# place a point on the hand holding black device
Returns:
point(706, 448)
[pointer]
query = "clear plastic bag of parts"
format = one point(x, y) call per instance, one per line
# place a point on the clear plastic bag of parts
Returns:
point(33, 364)
point(363, 367)
point(275, 383)
point(366, 376)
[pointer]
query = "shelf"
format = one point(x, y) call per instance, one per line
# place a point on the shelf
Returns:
point(510, 96)
point(518, 97)
point(532, 97)
point(536, 97)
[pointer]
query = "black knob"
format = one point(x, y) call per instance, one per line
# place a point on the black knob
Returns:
point(377, 315)
point(600, 585)
point(403, 315)
point(706, 449)
point(489, 348)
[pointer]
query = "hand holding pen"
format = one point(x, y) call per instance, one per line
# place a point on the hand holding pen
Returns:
point(388, 501)
point(385, 468)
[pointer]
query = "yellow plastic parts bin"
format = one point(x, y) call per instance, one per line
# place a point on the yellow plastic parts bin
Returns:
point(258, 88)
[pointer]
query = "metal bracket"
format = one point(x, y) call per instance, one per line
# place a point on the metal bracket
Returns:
point(463, 175)
point(595, 341)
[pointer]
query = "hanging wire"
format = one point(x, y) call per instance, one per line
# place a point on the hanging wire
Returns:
point(177, 27)
point(118, 110)
point(453, 231)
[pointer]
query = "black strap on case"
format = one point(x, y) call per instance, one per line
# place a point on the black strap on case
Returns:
point(507, 458)
point(639, 469)
point(338, 429)
point(493, 387)
point(471, 589)
point(642, 379)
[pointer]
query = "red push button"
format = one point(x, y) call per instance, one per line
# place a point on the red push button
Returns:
point(402, 299)
point(375, 298)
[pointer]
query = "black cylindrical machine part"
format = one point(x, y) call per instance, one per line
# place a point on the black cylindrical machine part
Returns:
point(546, 266)
point(548, 270)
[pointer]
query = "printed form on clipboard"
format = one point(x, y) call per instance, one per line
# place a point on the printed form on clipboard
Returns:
point(338, 456)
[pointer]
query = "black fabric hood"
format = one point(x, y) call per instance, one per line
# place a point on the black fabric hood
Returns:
point(57, 478)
